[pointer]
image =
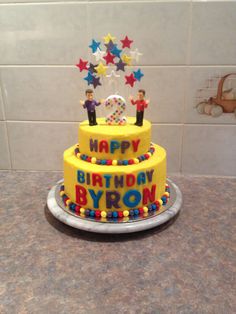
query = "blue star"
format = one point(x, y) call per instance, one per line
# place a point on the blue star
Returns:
point(115, 51)
point(89, 78)
point(138, 74)
point(94, 45)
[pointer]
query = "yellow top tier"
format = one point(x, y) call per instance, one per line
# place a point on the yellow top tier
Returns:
point(114, 141)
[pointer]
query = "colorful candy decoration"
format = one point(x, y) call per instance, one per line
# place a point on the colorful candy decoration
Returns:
point(117, 103)
point(114, 216)
point(111, 52)
point(114, 162)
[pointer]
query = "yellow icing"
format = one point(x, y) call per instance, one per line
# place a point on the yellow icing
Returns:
point(72, 164)
point(102, 131)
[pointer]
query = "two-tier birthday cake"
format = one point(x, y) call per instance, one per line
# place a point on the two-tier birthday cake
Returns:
point(114, 175)
point(115, 172)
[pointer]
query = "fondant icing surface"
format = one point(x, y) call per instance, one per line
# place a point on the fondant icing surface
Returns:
point(114, 142)
point(115, 188)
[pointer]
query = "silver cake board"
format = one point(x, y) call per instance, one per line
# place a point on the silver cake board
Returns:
point(60, 212)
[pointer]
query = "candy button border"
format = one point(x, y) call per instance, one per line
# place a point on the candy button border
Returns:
point(115, 228)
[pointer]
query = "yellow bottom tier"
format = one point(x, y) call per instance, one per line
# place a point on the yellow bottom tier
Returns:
point(114, 188)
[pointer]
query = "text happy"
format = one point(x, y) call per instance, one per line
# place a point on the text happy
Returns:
point(112, 146)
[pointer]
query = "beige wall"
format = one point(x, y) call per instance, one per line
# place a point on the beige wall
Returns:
point(184, 43)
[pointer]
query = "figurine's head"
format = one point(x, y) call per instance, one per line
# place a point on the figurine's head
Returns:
point(89, 94)
point(141, 94)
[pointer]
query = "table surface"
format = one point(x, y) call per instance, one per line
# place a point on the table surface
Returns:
point(186, 266)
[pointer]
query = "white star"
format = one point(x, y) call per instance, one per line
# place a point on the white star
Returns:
point(112, 74)
point(113, 80)
point(135, 54)
point(99, 54)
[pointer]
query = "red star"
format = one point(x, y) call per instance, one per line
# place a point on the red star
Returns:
point(126, 42)
point(109, 58)
point(130, 79)
point(82, 65)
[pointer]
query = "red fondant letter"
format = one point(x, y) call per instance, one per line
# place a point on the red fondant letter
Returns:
point(130, 179)
point(135, 145)
point(96, 178)
point(149, 196)
point(80, 195)
point(103, 145)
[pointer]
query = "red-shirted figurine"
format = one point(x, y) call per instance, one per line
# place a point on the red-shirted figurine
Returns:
point(141, 104)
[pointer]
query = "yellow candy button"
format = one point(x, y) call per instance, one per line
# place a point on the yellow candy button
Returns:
point(103, 214)
point(68, 202)
point(93, 160)
point(82, 210)
point(125, 213)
